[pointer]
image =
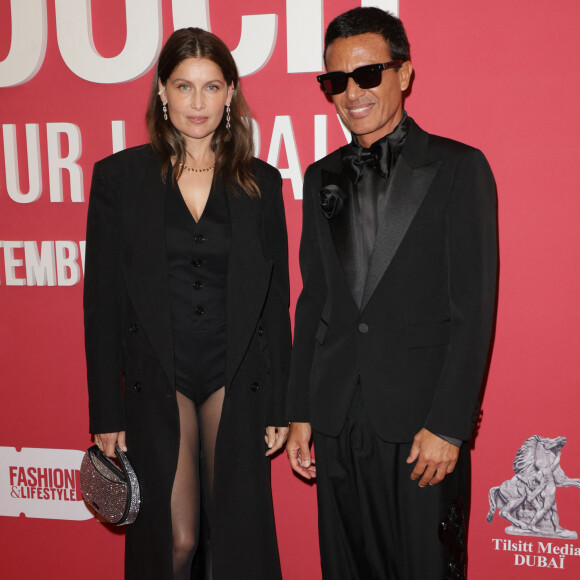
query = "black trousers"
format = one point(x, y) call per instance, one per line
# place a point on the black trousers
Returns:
point(375, 523)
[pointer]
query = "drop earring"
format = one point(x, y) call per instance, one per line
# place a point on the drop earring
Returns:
point(228, 126)
point(160, 92)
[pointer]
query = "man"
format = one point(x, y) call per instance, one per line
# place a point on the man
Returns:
point(393, 325)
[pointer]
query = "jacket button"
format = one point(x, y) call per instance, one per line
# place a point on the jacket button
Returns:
point(363, 328)
point(196, 262)
point(138, 387)
point(255, 387)
point(260, 331)
point(197, 285)
point(200, 310)
point(199, 238)
point(133, 328)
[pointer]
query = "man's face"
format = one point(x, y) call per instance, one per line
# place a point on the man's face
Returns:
point(369, 113)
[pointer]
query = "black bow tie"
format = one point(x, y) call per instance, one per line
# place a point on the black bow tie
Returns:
point(378, 157)
point(382, 155)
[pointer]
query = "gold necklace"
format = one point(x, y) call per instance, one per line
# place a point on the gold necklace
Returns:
point(195, 170)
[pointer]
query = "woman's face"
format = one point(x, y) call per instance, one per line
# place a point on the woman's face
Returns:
point(196, 94)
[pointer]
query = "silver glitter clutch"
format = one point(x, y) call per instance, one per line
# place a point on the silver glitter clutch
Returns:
point(112, 491)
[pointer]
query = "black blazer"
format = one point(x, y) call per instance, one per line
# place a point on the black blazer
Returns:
point(419, 338)
point(130, 361)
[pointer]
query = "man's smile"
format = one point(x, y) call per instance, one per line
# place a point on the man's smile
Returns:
point(359, 111)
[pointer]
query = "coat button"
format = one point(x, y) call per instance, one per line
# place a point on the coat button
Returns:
point(196, 262)
point(260, 331)
point(138, 387)
point(200, 310)
point(199, 238)
point(133, 328)
point(255, 387)
point(197, 285)
point(363, 328)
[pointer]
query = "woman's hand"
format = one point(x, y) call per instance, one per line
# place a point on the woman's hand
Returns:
point(106, 442)
point(275, 438)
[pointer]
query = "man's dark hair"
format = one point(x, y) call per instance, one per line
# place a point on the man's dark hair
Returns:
point(374, 20)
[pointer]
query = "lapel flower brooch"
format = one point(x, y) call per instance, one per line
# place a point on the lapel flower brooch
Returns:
point(332, 200)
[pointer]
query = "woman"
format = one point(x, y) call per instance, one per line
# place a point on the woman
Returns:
point(186, 322)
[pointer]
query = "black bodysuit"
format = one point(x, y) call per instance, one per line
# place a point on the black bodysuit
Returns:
point(197, 255)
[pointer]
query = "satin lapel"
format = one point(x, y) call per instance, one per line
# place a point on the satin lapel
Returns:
point(343, 228)
point(146, 265)
point(248, 280)
point(406, 190)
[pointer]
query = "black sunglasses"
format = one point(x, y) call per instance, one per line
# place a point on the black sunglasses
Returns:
point(366, 77)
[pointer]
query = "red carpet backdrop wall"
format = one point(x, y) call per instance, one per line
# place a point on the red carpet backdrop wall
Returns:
point(502, 76)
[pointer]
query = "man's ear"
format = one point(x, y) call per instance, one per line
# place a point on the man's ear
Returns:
point(405, 73)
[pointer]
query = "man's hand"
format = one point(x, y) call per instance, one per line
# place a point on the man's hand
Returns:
point(106, 442)
point(298, 450)
point(435, 458)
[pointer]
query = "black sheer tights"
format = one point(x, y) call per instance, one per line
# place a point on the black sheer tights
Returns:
point(198, 428)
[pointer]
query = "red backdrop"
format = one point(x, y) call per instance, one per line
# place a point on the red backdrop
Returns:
point(498, 75)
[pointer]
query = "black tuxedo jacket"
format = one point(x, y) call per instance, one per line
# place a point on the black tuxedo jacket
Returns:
point(417, 332)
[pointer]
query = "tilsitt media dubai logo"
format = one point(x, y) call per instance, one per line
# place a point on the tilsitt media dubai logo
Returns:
point(528, 502)
point(41, 483)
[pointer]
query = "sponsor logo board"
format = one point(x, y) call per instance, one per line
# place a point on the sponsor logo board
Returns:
point(41, 483)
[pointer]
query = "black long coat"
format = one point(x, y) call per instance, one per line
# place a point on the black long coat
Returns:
point(130, 364)
point(418, 328)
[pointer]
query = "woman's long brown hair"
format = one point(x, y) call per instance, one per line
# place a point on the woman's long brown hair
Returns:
point(233, 148)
